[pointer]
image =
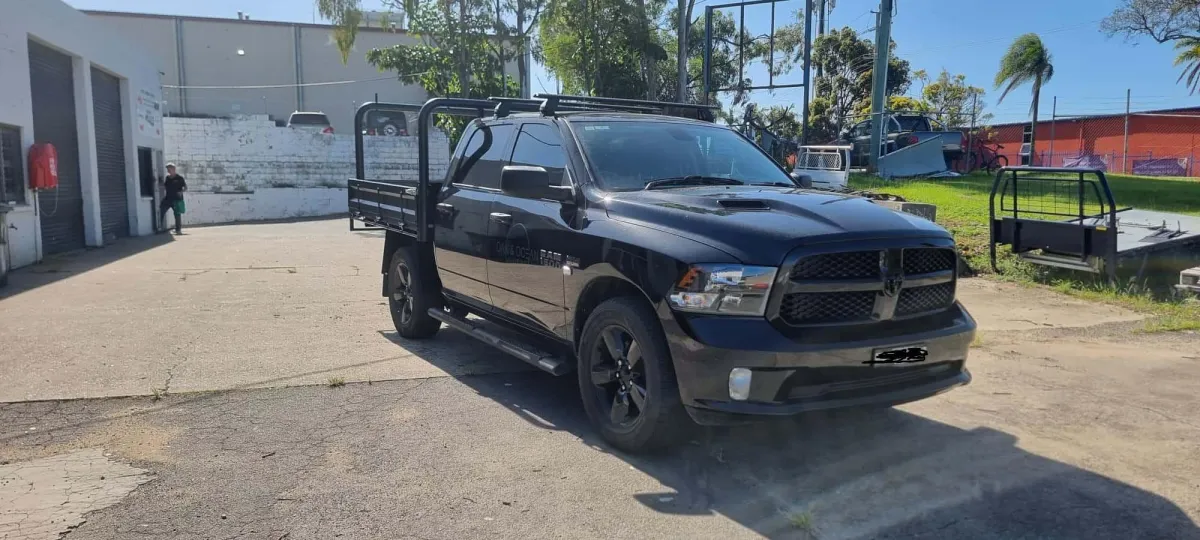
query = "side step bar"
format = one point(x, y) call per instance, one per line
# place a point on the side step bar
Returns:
point(1061, 261)
point(541, 360)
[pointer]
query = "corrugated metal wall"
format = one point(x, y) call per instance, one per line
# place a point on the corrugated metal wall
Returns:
point(52, 87)
point(110, 154)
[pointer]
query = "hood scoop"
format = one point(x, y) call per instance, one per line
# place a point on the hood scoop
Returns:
point(743, 204)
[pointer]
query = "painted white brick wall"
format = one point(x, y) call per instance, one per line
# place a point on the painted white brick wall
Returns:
point(247, 168)
point(249, 153)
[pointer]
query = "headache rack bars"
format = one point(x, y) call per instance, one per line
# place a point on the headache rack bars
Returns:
point(1064, 217)
point(404, 205)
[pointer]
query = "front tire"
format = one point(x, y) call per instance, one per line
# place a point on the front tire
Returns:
point(996, 164)
point(626, 378)
point(412, 291)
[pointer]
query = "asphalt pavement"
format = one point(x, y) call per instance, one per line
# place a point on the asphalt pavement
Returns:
point(235, 422)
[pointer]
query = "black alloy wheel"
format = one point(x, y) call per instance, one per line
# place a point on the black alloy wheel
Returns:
point(619, 375)
point(411, 294)
point(402, 295)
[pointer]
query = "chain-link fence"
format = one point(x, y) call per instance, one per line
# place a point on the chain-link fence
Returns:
point(1119, 136)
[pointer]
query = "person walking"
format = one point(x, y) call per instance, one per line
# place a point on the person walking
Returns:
point(174, 185)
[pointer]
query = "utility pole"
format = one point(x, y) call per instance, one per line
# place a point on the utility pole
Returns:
point(883, 40)
point(1125, 157)
point(820, 30)
point(681, 96)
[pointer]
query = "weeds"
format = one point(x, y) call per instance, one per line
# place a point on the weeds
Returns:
point(802, 521)
point(336, 382)
point(157, 394)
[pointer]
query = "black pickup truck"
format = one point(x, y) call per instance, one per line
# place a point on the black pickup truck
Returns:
point(668, 262)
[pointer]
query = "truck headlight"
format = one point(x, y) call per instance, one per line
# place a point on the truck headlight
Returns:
point(731, 289)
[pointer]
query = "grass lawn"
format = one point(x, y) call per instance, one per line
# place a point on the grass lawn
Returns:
point(962, 207)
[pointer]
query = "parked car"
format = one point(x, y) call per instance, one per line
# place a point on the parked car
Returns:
point(669, 263)
point(391, 123)
point(310, 121)
point(902, 130)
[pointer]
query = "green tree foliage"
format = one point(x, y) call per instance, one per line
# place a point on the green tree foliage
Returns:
point(460, 26)
point(345, 16)
point(618, 48)
point(1161, 20)
point(455, 57)
point(779, 119)
point(847, 63)
point(1164, 21)
point(1189, 57)
point(593, 47)
point(953, 102)
point(1027, 61)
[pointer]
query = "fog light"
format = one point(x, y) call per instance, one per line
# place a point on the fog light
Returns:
point(739, 384)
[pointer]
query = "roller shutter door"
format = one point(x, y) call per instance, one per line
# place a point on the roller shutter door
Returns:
point(110, 154)
point(53, 88)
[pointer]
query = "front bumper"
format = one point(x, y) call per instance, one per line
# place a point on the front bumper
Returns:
point(792, 376)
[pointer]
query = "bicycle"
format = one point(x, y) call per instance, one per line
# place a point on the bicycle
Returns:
point(982, 159)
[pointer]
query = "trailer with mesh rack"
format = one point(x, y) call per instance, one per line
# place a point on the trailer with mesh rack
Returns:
point(1069, 218)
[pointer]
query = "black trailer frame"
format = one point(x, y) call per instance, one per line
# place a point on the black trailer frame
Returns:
point(403, 206)
point(1056, 214)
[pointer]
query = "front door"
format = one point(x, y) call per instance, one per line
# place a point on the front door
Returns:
point(461, 219)
point(532, 238)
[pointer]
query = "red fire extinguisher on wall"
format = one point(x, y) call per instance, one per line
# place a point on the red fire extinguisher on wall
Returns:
point(43, 167)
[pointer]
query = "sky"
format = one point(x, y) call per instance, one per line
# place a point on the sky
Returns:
point(1092, 71)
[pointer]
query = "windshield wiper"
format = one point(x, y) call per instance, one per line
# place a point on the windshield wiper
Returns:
point(780, 184)
point(692, 180)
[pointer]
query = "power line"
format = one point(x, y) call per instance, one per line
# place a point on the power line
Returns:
point(997, 40)
point(294, 85)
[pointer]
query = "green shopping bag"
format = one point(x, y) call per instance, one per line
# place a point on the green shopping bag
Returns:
point(180, 207)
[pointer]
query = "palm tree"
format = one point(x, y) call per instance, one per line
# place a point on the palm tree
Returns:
point(1027, 61)
point(1189, 54)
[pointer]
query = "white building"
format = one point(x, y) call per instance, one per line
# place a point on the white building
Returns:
point(215, 67)
point(75, 82)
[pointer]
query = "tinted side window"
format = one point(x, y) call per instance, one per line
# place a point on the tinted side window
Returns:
point(481, 161)
point(541, 146)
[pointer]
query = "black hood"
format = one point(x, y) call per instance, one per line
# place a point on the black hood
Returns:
point(760, 225)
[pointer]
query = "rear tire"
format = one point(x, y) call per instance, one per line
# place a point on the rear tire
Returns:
point(627, 380)
point(412, 290)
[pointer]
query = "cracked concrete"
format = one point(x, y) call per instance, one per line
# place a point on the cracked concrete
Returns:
point(262, 305)
point(1074, 427)
point(47, 497)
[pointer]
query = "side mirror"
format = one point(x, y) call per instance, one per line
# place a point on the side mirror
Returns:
point(532, 183)
point(804, 180)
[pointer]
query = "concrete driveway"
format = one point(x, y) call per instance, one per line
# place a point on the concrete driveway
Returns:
point(1076, 426)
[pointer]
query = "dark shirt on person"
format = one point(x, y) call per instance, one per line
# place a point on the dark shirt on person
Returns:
point(174, 185)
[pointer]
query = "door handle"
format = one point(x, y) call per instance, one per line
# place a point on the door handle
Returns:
point(503, 219)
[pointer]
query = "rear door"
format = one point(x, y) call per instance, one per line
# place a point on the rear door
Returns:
point(532, 238)
point(460, 236)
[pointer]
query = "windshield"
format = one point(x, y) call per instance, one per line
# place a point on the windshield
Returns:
point(913, 123)
point(308, 119)
point(626, 155)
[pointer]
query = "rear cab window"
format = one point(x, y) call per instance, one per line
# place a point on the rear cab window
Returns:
point(308, 119)
point(481, 155)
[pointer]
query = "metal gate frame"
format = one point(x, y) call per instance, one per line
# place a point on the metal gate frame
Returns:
point(708, 37)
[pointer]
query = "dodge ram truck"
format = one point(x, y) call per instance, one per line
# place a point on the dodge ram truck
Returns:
point(667, 262)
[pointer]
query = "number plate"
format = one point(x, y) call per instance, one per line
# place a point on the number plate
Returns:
point(910, 354)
